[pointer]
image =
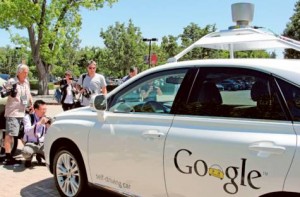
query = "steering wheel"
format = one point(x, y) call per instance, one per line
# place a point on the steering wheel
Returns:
point(153, 106)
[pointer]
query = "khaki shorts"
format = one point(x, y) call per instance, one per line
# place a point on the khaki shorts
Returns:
point(13, 125)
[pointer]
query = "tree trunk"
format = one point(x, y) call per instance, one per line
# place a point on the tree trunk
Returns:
point(42, 77)
point(42, 67)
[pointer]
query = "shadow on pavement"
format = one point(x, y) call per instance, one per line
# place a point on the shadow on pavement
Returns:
point(46, 188)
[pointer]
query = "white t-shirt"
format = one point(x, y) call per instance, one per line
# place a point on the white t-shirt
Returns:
point(69, 95)
point(94, 85)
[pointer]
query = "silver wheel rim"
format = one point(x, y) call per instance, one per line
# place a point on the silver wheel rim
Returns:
point(67, 173)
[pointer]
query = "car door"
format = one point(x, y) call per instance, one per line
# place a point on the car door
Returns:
point(291, 94)
point(225, 143)
point(126, 150)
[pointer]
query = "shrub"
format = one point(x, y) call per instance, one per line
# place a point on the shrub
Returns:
point(34, 85)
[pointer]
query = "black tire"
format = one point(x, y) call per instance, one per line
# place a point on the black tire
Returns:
point(69, 173)
point(13, 147)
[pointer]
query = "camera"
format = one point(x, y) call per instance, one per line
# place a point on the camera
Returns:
point(50, 120)
point(87, 93)
point(9, 89)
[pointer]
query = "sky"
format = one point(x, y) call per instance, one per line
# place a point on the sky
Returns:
point(158, 18)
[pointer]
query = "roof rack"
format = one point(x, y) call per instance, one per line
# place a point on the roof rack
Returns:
point(241, 39)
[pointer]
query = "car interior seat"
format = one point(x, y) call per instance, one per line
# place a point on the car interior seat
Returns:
point(260, 92)
point(210, 99)
point(209, 94)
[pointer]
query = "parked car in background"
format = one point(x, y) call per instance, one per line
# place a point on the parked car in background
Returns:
point(230, 85)
point(2, 119)
point(5, 76)
point(2, 104)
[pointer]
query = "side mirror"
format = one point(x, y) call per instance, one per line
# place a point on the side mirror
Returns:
point(100, 102)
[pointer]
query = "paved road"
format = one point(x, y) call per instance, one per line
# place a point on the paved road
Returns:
point(35, 181)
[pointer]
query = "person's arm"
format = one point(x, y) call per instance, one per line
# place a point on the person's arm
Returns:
point(63, 85)
point(28, 128)
point(104, 90)
point(158, 90)
point(103, 85)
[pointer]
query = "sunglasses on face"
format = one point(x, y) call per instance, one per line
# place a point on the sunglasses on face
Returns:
point(92, 68)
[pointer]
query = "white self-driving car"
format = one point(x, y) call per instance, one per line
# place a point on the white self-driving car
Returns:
point(172, 131)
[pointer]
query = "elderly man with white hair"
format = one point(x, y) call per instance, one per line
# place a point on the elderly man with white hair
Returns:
point(19, 99)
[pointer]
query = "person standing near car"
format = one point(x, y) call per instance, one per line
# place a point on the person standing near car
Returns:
point(19, 99)
point(133, 71)
point(68, 91)
point(35, 129)
point(90, 83)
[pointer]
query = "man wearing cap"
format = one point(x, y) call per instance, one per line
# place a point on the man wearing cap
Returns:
point(133, 71)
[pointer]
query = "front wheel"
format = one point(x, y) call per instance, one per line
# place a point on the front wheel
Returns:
point(69, 174)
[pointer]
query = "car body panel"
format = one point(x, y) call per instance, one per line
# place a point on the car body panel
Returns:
point(78, 121)
point(127, 152)
point(292, 181)
point(191, 152)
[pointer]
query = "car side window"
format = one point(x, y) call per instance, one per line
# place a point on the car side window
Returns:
point(233, 92)
point(151, 94)
point(292, 97)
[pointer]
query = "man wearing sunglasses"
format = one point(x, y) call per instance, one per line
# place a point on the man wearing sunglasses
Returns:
point(91, 83)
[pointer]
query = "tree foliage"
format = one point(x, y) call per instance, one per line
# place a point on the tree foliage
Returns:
point(50, 26)
point(293, 31)
point(191, 34)
point(169, 47)
point(124, 46)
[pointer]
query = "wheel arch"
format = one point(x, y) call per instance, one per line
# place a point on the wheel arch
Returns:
point(64, 143)
point(281, 194)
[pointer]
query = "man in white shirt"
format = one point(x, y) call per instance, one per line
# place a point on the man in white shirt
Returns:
point(35, 129)
point(91, 83)
point(18, 101)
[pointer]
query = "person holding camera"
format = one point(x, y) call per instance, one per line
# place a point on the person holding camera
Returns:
point(91, 83)
point(35, 129)
point(68, 91)
point(19, 100)
point(150, 91)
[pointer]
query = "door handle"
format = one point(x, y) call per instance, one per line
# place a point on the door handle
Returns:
point(266, 148)
point(153, 134)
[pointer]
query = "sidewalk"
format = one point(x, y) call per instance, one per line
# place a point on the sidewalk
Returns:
point(49, 99)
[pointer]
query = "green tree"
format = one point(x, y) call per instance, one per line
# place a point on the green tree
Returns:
point(10, 58)
point(191, 34)
point(169, 47)
point(49, 25)
point(125, 47)
point(292, 30)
